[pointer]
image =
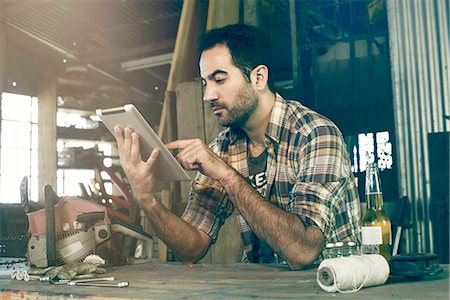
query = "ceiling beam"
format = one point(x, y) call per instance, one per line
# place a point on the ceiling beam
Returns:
point(31, 41)
point(22, 36)
point(94, 58)
point(156, 75)
point(147, 62)
point(24, 5)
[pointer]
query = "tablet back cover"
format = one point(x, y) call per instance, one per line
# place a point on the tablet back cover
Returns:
point(167, 167)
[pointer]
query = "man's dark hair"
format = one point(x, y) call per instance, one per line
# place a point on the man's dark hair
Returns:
point(249, 47)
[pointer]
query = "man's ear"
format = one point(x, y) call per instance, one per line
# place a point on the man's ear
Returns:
point(260, 77)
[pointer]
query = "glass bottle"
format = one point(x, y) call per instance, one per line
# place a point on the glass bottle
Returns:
point(376, 225)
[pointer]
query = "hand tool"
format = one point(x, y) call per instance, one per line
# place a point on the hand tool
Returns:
point(118, 284)
point(76, 281)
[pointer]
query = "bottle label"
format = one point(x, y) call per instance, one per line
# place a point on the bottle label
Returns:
point(371, 235)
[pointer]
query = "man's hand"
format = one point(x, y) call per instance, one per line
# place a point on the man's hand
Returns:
point(139, 172)
point(187, 242)
point(196, 155)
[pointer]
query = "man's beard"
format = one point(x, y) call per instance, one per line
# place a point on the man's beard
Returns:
point(240, 110)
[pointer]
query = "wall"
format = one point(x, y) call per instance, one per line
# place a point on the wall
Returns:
point(419, 50)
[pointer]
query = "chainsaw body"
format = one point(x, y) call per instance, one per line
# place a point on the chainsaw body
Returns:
point(83, 228)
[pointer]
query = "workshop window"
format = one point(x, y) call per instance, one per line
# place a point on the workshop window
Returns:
point(18, 146)
point(71, 181)
point(370, 147)
point(77, 160)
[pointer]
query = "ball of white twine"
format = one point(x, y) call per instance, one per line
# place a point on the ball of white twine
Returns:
point(350, 274)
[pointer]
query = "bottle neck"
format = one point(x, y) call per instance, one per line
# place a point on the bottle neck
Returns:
point(374, 201)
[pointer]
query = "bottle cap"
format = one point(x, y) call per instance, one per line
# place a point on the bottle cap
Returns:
point(339, 244)
point(329, 245)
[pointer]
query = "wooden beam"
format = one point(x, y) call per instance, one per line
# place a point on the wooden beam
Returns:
point(190, 120)
point(143, 96)
point(94, 58)
point(47, 156)
point(82, 85)
point(184, 64)
point(162, 247)
point(221, 13)
point(98, 134)
point(35, 46)
point(42, 40)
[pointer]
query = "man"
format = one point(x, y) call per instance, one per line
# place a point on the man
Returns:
point(303, 191)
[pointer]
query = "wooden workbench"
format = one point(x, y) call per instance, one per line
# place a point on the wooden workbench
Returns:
point(216, 281)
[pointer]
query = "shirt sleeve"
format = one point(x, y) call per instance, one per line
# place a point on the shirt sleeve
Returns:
point(318, 195)
point(208, 206)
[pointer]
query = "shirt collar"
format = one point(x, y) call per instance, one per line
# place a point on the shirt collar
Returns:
point(277, 119)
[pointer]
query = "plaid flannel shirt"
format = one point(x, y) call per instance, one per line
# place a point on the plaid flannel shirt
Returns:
point(308, 174)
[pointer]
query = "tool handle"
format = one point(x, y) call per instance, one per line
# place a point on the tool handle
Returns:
point(93, 279)
point(118, 284)
point(50, 232)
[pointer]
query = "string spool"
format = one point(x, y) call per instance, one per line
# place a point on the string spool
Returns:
point(350, 274)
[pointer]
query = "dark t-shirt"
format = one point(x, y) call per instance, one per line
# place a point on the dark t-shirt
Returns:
point(261, 252)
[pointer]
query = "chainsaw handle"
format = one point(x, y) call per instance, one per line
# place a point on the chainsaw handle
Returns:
point(91, 216)
point(143, 236)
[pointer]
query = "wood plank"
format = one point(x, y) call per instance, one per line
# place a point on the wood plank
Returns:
point(162, 247)
point(190, 120)
point(190, 117)
point(47, 156)
point(221, 13)
point(184, 64)
point(229, 246)
point(97, 134)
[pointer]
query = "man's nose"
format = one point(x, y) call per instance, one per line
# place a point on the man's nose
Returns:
point(209, 94)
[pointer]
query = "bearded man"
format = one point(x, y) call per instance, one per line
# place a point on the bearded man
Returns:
point(283, 167)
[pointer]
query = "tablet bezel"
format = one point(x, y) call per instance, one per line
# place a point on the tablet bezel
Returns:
point(166, 168)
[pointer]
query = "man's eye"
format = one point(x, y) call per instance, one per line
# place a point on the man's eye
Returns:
point(203, 83)
point(220, 81)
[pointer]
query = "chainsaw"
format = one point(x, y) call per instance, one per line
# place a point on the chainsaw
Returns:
point(82, 228)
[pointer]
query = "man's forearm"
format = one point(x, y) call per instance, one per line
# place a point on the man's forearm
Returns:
point(283, 231)
point(187, 242)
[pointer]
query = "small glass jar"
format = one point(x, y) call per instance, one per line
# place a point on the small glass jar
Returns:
point(339, 249)
point(353, 248)
point(330, 251)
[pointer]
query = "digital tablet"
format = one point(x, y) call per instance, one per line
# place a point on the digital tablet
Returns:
point(167, 168)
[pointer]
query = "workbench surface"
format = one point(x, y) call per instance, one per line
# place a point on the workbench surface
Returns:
point(227, 281)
